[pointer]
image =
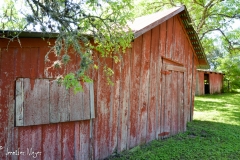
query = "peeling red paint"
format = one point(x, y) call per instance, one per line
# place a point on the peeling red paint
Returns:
point(163, 134)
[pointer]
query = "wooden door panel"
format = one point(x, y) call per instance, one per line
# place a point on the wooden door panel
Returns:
point(172, 97)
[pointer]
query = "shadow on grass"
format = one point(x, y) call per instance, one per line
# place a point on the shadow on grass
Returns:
point(228, 105)
point(202, 140)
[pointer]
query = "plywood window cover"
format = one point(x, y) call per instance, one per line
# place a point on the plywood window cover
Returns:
point(43, 101)
point(175, 68)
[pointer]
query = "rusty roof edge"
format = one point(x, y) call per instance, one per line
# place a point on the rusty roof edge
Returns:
point(27, 34)
point(200, 66)
point(159, 21)
point(210, 71)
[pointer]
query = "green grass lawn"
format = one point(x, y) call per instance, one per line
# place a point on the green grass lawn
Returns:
point(213, 134)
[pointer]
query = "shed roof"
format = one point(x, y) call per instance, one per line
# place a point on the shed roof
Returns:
point(209, 71)
point(143, 24)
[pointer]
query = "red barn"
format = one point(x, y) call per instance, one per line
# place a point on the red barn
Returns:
point(152, 96)
point(208, 82)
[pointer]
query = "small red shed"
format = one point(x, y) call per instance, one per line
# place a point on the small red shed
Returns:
point(208, 82)
point(152, 96)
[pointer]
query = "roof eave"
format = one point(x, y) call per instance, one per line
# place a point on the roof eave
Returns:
point(195, 41)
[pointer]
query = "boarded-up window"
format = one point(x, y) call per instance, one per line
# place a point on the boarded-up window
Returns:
point(44, 101)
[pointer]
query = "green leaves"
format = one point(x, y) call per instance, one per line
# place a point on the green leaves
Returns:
point(70, 81)
point(10, 18)
point(230, 65)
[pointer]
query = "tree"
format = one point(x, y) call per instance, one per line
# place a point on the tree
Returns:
point(9, 17)
point(230, 65)
point(84, 25)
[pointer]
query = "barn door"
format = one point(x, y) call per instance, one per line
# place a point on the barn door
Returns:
point(172, 98)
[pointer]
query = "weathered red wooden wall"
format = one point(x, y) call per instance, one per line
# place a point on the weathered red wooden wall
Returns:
point(215, 82)
point(146, 102)
point(200, 83)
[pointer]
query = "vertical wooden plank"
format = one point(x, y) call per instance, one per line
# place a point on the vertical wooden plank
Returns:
point(67, 140)
point(144, 87)
point(77, 140)
point(153, 107)
point(163, 103)
point(18, 62)
point(180, 44)
point(41, 61)
point(161, 88)
point(102, 131)
point(116, 89)
point(35, 148)
point(59, 103)
point(185, 108)
point(123, 121)
point(211, 79)
point(159, 113)
point(198, 86)
point(169, 39)
point(19, 102)
point(93, 124)
point(76, 105)
point(197, 92)
point(177, 39)
point(15, 140)
point(202, 83)
point(174, 100)
point(167, 104)
point(134, 90)
point(51, 141)
point(26, 62)
point(91, 92)
point(189, 76)
point(193, 85)
point(34, 52)
point(163, 39)
point(25, 141)
point(211, 86)
point(84, 139)
point(86, 101)
point(11, 107)
point(6, 99)
point(181, 102)
point(2, 141)
point(36, 101)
